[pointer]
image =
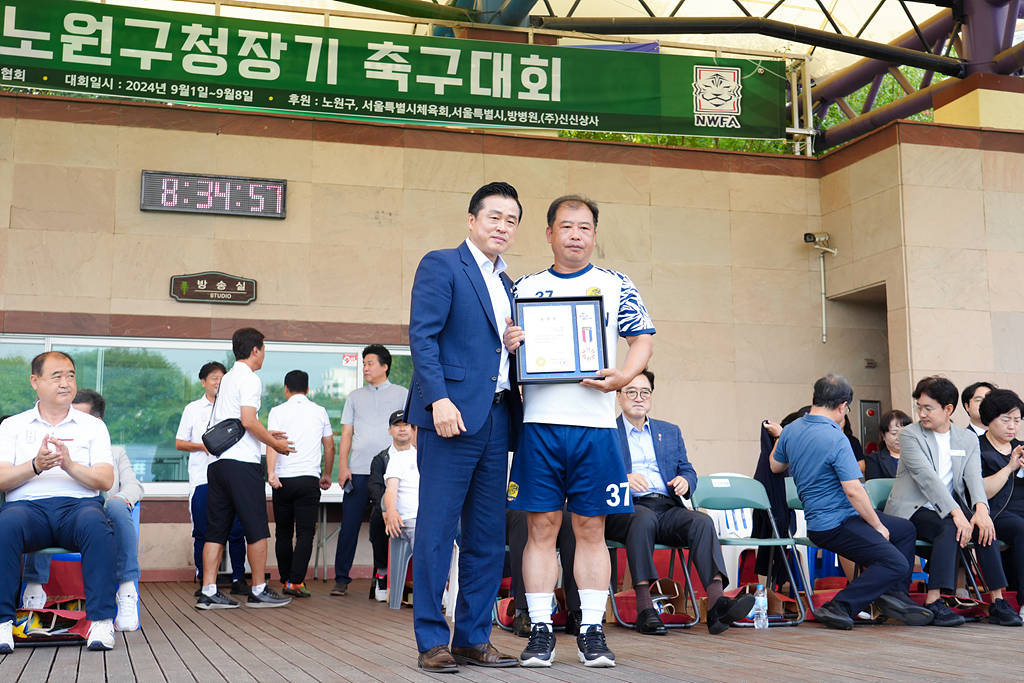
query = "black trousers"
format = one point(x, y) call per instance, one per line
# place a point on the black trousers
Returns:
point(1010, 529)
point(517, 532)
point(379, 539)
point(941, 532)
point(295, 509)
point(888, 565)
point(658, 519)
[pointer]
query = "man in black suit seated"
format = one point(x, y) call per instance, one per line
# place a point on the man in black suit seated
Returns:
point(660, 476)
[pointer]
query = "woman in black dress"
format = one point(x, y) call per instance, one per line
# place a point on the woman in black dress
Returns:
point(1001, 454)
point(882, 464)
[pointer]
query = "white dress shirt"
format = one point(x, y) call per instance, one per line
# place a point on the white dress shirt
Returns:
point(500, 305)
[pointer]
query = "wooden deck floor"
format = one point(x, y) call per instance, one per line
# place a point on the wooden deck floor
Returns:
point(356, 639)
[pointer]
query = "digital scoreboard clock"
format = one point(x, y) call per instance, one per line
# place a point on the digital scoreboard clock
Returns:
point(217, 194)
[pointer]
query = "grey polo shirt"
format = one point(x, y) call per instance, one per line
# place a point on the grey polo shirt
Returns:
point(367, 409)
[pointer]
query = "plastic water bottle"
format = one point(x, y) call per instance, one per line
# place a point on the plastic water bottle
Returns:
point(760, 607)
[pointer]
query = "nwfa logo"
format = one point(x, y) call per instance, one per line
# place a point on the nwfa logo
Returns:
point(716, 96)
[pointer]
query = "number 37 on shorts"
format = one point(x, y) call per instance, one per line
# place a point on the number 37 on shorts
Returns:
point(618, 495)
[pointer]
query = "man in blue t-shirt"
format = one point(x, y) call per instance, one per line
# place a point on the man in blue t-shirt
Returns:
point(839, 513)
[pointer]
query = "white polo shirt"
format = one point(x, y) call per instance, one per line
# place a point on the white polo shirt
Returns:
point(402, 466)
point(306, 424)
point(194, 421)
point(87, 441)
point(240, 387)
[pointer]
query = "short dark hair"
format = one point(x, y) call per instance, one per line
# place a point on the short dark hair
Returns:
point(297, 381)
point(244, 341)
point(37, 362)
point(831, 391)
point(885, 423)
point(648, 374)
point(969, 392)
point(205, 371)
point(97, 404)
point(574, 201)
point(794, 416)
point(938, 388)
point(498, 189)
point(999, 402)
point(383, 356)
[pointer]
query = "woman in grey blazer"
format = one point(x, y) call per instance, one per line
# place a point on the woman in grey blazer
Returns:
point(937, 482)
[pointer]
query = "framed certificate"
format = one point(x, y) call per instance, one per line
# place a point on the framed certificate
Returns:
point(565, 339)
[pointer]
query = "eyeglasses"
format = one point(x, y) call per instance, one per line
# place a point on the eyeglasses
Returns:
point(925, 410)
point(632, 394)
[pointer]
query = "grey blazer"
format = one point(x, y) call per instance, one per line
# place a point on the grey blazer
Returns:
point(917, 481)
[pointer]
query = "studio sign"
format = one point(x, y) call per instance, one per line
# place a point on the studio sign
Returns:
point(213, 288)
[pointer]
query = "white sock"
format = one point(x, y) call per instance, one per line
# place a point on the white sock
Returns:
point(258, 590)
point(35, 590)
point(210, 591)
point(126, 588)
point(539, 605)
point(593, 604)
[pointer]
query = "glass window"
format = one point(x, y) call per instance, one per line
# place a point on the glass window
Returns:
point(16, 394)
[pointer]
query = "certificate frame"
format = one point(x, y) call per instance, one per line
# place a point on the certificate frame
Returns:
point(526, 370)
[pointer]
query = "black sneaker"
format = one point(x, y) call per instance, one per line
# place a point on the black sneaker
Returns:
point(900, 606)
point(593, 649)
point(834, 615)
point(216, 601)
point(573, 619)
point(240, 587)
point(943, 615)
point(540, 651)
point(1001, 614)
point(266, 600)
point(521, 624)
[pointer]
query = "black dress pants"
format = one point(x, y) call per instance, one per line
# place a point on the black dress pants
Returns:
point(941, 532)
point(296, 505)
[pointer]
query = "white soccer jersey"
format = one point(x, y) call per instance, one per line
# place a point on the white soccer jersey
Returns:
point(625, 316)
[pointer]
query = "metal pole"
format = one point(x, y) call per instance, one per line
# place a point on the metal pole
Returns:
point(794, 98)
point(821, 262)
point(808, 110)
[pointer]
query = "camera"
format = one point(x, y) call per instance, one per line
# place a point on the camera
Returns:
point(813, 237)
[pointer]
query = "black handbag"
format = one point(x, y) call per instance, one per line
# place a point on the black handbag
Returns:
point(223, 435)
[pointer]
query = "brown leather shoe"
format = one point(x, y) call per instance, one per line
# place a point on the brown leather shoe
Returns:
point(438, 660)
point(483, 654)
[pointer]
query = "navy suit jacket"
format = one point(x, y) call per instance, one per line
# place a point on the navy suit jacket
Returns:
point(456, 348)
point(669, 451)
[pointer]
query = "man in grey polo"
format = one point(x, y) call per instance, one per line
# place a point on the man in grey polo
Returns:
point(364, 434)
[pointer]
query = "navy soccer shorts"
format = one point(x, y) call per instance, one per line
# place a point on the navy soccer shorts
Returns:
point(559, 462)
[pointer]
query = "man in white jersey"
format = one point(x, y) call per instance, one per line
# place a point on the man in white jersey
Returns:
point(570, 444)
point(195, 419)
point(236, 477)
point(54, 461)
point(297, 478)
point(402, 481)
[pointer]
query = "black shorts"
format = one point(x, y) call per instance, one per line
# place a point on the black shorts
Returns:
point(236, 488)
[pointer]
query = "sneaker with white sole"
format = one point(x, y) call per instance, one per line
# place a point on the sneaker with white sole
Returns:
point(268, 599)
point(7, 637)
point(540, 651)
point(593, 648)
point(127, 612)
point(381, 588)
point(101, 635)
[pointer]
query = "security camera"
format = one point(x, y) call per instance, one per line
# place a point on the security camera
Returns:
point(814, 237)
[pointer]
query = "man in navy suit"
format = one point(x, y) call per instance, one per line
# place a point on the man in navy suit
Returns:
point(465, 400)
point(659, 477)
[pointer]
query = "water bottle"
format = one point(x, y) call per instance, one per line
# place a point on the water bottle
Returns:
point(760, 607)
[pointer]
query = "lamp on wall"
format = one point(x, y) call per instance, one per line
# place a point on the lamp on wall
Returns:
point(819, 240)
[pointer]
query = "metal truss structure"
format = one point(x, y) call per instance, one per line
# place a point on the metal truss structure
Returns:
point(964, 37)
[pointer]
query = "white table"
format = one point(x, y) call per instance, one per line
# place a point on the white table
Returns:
point(331, 496)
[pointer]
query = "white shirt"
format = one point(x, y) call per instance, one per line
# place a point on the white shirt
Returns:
point(500, 306)
point(306, 424)
point(943, 462)
point(194, 420)
point(980, 431)
point(86, 438)
point(240, 387)
point(625, 315)
point(402, 466)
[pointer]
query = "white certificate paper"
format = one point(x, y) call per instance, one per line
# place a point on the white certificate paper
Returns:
point(549, 343)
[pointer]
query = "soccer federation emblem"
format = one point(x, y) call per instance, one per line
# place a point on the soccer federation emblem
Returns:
point(513, 490)
point(716, 90)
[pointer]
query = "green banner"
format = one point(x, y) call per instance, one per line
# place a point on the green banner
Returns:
point(86, 48)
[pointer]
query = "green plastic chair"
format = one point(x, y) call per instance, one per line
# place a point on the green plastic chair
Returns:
point(878, 491)
point(614, 547)
point(793, 502)
point(729, 493)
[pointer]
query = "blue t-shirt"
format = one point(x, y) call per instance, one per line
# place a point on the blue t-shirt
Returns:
point(820, 459)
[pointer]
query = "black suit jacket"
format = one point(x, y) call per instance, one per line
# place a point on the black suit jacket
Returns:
point(880, 465)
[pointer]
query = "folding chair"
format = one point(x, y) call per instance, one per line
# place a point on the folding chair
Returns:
point(613, 552)
point(729, 492)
